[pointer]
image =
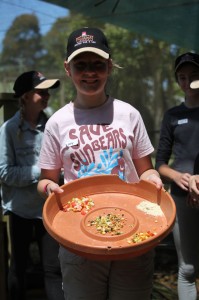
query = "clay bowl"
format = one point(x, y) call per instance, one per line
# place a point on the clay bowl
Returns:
point(110, 195)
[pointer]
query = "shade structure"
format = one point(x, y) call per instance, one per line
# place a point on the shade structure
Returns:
point(173, 21)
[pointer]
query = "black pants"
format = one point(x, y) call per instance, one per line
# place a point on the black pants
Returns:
point(21, 233)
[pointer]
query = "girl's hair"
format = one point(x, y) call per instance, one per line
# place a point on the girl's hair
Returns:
point(21, 116)
point(115, 65)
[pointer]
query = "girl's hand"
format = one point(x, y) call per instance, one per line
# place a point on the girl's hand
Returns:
point(182, 180)
point(193, 184)
point(155, 179)
point(53, 187)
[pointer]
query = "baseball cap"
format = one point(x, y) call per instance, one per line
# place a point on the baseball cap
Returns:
point(188, 57)
point(87, 40)
point(33, 80)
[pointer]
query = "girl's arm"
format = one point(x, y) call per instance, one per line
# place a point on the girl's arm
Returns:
point(145, 170)
point(49, 182)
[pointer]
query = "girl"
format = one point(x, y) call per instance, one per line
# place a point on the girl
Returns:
point(20, 140)
point(77, 137)
point(179, 136)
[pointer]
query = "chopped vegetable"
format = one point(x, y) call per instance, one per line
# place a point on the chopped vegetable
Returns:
point(109, 223)
point(140, 237)
point(83, 205)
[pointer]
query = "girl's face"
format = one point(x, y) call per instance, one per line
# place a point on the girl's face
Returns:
point(89, 73)
point(37, 99)
point(185, 75)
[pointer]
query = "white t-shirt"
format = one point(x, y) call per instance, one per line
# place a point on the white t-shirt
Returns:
point(96, 141)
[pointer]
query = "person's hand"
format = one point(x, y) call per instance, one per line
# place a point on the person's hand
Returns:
point(193, 197)
point(53, 187)
point(155, 179)
point(182, 180)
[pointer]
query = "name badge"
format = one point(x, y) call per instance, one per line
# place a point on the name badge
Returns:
point(183, 121)
point(71, 143)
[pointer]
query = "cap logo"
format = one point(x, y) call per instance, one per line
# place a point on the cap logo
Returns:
point(187, 57)
point(41, 76)
point(84, 39)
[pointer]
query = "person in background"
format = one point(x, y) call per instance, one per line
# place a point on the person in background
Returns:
point(193, 198)
point(20, 140)
point(97, 134)
point(179, 142)
point(194, 179)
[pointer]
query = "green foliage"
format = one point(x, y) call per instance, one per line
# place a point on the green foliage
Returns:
point(22, 44)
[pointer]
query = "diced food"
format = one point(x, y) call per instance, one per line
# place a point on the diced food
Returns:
point(108, 223)
point(140, 237)
point(83, 205)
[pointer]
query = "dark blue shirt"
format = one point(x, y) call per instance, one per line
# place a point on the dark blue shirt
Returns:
point(179, 141)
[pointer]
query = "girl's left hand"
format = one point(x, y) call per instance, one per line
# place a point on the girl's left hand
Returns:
point(155, 179)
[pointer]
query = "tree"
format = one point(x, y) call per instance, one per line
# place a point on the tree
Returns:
point(22, 46)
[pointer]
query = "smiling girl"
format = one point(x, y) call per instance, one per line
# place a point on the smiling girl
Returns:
point(97, 134)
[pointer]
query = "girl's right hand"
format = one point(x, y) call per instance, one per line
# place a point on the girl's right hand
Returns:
point(194, 187)
point(53, 187)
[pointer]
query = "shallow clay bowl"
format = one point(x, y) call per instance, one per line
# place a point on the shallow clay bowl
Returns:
point(110, 195)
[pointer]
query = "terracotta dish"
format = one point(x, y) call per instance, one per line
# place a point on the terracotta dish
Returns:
point(110, 196)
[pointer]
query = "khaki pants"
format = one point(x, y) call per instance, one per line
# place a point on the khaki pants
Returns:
point(101, 280)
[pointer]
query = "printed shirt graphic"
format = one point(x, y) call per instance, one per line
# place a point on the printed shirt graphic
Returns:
point(102, 140)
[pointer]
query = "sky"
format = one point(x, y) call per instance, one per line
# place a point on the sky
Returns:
point(46, 13)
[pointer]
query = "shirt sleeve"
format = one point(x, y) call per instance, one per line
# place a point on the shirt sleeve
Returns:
point(11, 173)
point(50, 151)
point(165, 142)
point(141, 143)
